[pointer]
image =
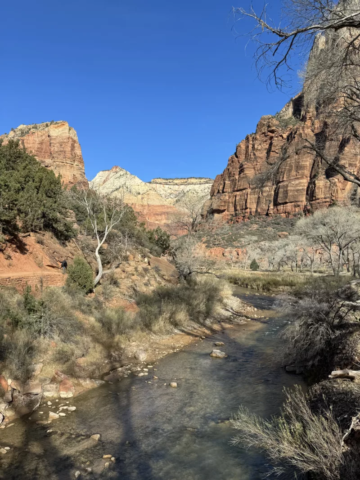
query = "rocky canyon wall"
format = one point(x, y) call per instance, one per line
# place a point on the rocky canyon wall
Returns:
point(302, 181)
point(159, 202)
point(56, 146)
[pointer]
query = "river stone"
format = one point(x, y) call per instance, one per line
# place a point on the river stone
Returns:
point(96, 437)
point(140, 355)
point(219, 344)
point(50, 390)
point(8, 397)
point(66, 389)
point(53, 416)
point(173, 384)
point(218, 354)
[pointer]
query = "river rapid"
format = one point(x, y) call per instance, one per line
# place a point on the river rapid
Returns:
point(155, 432)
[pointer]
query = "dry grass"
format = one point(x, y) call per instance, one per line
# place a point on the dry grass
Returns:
point(169, 307)
point(269, 283)
point(62, 327)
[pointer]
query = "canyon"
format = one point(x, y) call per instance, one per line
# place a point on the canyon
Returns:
point(273, 173)
point(303, 183)
point(159, 202)
point(56, 146)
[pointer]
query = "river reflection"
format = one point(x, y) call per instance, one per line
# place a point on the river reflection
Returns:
point(160, 433)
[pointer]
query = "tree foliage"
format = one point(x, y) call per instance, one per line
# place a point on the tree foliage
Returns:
point(160, 238)
point(80, 276)
point(31, 197)
point(254, 266)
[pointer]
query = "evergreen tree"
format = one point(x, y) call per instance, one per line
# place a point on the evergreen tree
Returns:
point(31, 196)
point(80, 276)
point(254, 266)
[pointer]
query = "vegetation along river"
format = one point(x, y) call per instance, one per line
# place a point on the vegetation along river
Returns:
point(153, 431)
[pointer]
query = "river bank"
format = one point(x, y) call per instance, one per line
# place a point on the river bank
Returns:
point(154, 431)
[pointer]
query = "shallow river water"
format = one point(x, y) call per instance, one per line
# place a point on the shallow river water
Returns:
point(160, 433)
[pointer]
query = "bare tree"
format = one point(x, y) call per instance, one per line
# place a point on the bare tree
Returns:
point(189, 259)
point(189, 219)
point(333, 230)
point(103, 214)
point(304, 20)
point(331, 32)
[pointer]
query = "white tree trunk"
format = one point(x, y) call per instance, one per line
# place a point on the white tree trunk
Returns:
point(100, 267)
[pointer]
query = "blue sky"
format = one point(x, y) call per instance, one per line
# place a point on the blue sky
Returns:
point(161, 88)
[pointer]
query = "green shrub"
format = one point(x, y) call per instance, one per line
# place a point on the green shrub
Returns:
point(30, 193)
point(160, 238)
point(80, 276)
point(254, 266)
point(268, 283)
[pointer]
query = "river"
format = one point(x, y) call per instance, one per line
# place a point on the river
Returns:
point(156, 432)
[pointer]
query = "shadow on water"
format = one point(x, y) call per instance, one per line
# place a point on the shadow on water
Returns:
point(156, 432)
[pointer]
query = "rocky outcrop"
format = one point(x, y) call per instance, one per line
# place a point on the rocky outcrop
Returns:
point(303, 182)
point(158, 202)
point(56, 146)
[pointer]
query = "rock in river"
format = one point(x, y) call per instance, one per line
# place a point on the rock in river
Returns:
point(218, 354)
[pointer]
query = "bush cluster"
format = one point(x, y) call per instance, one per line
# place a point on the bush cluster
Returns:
point(31, 195)
point(80, 276)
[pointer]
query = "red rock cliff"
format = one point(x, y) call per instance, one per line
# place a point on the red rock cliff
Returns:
point(303, 182)
point(56, 146)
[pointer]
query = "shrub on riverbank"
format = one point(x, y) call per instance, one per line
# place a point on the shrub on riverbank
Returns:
point(268, 283)
point(63, 326)
point(299, 440)
point(168, 307)
point(323, 333)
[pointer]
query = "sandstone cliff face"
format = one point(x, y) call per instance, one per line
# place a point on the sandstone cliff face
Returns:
point(158, 202)
point(56, 146)
point(303, 182)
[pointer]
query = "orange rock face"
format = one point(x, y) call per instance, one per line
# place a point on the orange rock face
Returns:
point(56, 146)
point(302, 183)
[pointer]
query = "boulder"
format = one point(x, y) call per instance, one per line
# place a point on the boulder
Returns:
point(33, 387)
point(218, 354)
point(66, 389)
point(50, 390)
point(140, 355)
point(16, 385)
point(3, 383)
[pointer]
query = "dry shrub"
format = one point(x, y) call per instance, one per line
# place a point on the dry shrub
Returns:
point(18, 352)
point(116, 322)
point(175, 306)
point(323, 333)
point(298, 440)
point(64, 354)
